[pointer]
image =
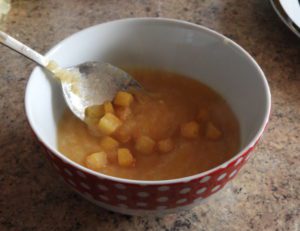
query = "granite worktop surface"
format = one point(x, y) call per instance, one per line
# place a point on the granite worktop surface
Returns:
point(264, 196)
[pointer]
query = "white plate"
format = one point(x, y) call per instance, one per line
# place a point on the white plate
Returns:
point(292, 9)
point(284, 16)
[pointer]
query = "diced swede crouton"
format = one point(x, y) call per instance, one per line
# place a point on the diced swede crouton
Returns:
point(108, 107)
point(96, 161)
point(109, 123)
point(144, 144)
point(125, 158)
point(125, 132)
point(108, 143)
point(190, 130)
point(123, 98)
point(95, 111)
point(123, 112)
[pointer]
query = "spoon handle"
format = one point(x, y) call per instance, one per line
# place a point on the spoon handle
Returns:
point(23, 49)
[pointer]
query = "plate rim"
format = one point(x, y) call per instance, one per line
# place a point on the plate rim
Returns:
point(284, 17)
point(287, 5)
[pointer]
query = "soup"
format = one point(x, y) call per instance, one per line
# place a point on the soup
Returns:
point(177, 127)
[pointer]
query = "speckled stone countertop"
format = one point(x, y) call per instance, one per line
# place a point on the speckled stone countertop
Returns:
point(264, 196)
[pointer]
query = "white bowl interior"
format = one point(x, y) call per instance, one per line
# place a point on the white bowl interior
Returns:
point(163, 44)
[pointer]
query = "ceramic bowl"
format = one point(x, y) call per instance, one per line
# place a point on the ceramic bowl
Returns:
point(174, 45)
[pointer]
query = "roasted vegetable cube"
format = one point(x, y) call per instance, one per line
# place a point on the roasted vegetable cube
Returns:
point(123, 112)
point(190, 130)
point(109, 123)
point(123, 98)
point(95, 111)
point(125, 158)
point(108, 143)
point(144, 144)
point(96, 161)
point(108, 107)
point(125, 132)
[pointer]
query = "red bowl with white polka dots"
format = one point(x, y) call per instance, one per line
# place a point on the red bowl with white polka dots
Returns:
point(178, 46)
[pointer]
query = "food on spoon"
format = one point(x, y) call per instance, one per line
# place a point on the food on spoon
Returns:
point(108, 107)
point(123, 98)
point(108, 124)
point(123, 112)
point(65, 75)
point(95, 111)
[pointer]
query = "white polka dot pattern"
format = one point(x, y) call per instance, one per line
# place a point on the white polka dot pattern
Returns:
point(185, 190)
point(163, 188)
point(222, 176)
point(205, 179)
point(198, 199)
point(68, 172)
point(180, 201)
point(71, 182)
point(56, 167)
point(216, 188)
point(162, 199)
point(238, 161)
point(143, 194)
point(201, 190)
point(247, 158)
point(120, 186)
point(102, 187)
point(122, 197)
point(151, 196)
point(84, 185)
point(233, 173)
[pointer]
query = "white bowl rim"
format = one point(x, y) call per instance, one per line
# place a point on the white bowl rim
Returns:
point(171, 181)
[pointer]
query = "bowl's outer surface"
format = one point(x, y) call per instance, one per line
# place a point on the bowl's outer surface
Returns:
point(143, 197)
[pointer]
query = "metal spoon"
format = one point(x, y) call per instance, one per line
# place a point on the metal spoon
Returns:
point(97, 82)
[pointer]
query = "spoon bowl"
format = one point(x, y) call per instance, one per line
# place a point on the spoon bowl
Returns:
point(99, 82)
